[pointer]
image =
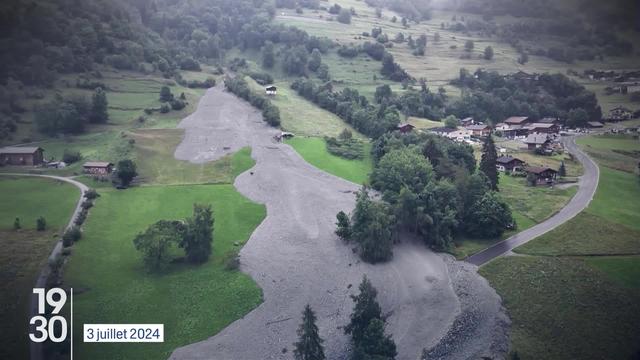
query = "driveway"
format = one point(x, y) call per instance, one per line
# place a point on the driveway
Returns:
point(587, 189)
point(296, 258)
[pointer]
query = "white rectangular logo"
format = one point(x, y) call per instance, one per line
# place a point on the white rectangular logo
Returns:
point(123, 333)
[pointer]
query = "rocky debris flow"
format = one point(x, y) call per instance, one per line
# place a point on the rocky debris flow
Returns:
point(480, 331)
point(296, 258)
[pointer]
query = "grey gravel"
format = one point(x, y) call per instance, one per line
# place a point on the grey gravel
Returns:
point(296, 258)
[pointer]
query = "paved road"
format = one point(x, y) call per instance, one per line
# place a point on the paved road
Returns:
point(587, 188)
point(36, 349)
point(296, 258)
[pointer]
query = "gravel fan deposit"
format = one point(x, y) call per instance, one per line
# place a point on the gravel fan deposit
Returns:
point(296, 258)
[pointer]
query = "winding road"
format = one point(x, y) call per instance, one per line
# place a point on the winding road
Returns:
point(296, 258)
point(587, 188)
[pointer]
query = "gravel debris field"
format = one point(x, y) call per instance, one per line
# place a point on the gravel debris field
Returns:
point(432, 301)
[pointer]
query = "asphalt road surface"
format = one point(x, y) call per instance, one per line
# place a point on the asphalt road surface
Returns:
point(296, 258)
point(587, 189)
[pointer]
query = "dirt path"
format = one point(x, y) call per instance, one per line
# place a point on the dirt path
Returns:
point(587, 188)
point(296, 258)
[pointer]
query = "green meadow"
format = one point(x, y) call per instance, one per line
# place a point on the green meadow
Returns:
point(314, 151)
point(193, 302)
point(574, 291)
point(25, 251)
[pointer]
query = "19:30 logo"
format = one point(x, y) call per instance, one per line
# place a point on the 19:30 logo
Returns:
point(45, 329)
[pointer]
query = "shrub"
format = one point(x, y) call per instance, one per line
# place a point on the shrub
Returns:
point(82, 216)
point(16, 224)
point(165, 108)
point(70, 157)
point(91, 194)
point(86, 205)
point(178, 104)
point(70, 236)
point(41, 224)
point(231, 261)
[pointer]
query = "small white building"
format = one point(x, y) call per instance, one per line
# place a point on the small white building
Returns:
point(271, 90)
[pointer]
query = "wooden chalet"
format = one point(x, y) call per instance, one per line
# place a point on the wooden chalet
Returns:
point(21, 155)
point(405, 128)
point(544, 175)
point(97, 168)
point(509, 164)
point(517, 120)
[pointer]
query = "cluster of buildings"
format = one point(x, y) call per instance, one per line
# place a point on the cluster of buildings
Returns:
point(34, 156)
point(543, 175)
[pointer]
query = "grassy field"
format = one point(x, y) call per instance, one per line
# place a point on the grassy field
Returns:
point(619, 152)
point(314, 151)
point(25, 252)
point(194, 302)
point(154, 148)
point(301, 116)
point(529, 205)
point(568, 297)
point(567, 308)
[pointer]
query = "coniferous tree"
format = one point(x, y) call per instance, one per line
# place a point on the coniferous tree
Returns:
point(99, 105)
point(562, 171)
point(309, 345)
point(366, 309)
point(344, 226)
point(488, 161)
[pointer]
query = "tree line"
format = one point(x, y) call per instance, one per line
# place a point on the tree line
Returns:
point(240, 87)
point(355, 109)
point(491, 97)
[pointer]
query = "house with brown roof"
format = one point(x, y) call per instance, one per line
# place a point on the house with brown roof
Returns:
point(479, 130)
point(467, 121)
point(517, 120)
point(21, 155)
point(509, 164)
point(543, 175)
point(405, 128)
point(543, 128)
point(550, 120)
point(97, 168)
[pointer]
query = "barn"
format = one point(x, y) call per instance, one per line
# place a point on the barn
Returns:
point(97, 168)
point(21, 155)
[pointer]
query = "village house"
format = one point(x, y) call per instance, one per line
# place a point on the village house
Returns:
point(511, 131)
point(536, 141)
point(19, 155)
point(543, 128)
point(271, 90)
point(509, 164)
point(97, 168)
point(517, 120)
point(479, 130)
point(467, 121)
point(543, 175)
point(462, 135)
point(619, 113)
point(442, 131)
point(550, 120)
point(405, 128)
point(595, 125)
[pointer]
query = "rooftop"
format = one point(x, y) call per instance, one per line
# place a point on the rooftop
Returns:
point(536, 139)
point(506, 159)
point(517, 119)
point(538, 169)
point(97, 164)
point(19, 149)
